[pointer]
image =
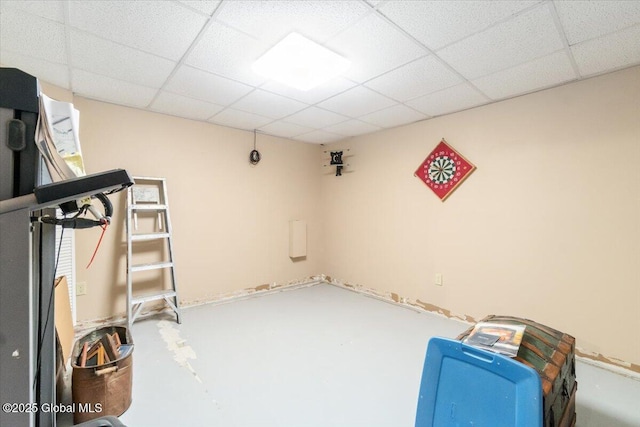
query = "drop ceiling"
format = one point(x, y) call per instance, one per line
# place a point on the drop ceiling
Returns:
point(410, 60)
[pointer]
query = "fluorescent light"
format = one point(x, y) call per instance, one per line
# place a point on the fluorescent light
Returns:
point(298, 62)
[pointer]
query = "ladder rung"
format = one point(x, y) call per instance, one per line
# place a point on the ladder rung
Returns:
point(153, 296)
point(149, 207)
point(149, 236)
point(152, 266)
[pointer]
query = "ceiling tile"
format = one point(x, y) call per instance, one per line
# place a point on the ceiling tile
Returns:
point(356, 102)
point(239, 119)
point(319, 137)
point(56, 74)
point(268, 104)
point(315, 117)
point(352, 128)
point(584, 20)
point(449, 100)
point(205, 6)
point(522, 39)
point(182, 106)
point(163, 28)
point(208, 87)
point(420, 77)
point(317, 20)
point(100, 56)
point(394, 116)
point(49, 9)
point(374, 47)
point(311, 96)
point(39, 37)
point(227, 52)
point(541, 73)
point(283, 129)
point(94, 86)
point(193, 58)
point(621, 49)
point(439, 23)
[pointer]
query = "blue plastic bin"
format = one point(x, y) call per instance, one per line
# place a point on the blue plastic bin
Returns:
point(467, 386)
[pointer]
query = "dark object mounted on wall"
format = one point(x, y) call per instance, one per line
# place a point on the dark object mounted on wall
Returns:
point(337, 159)
point(254, 156)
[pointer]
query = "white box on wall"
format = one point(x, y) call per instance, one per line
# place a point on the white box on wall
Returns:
point(297, 238)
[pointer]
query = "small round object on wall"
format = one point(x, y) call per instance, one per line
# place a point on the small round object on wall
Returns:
point(254, 157)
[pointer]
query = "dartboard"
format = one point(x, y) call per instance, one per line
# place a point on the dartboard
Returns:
point(444, 169)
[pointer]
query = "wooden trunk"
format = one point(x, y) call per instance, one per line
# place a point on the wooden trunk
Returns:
point(552, 354)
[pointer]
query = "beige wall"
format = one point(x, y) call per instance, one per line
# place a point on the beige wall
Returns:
point(547, 227)
point(230, 219)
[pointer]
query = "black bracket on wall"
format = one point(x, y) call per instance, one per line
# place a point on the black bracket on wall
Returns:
point(337, 159)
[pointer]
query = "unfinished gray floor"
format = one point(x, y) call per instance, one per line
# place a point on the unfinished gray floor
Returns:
point(314, 356)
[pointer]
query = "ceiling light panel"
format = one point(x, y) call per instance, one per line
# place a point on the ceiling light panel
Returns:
point(300, 63)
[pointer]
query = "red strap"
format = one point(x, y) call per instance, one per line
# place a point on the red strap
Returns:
point(104, 228)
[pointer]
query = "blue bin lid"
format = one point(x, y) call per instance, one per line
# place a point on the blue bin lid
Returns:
point(467, 386)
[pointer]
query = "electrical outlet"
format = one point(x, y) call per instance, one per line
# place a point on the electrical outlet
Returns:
point(81, 288)
point(438, 279)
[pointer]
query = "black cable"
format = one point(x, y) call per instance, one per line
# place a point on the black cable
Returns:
point(76, 221)
point(106, 203)
point(50, 304)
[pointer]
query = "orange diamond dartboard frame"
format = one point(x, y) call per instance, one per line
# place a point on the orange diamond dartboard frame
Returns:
point(444, 169)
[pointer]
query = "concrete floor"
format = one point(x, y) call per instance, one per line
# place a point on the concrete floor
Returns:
point(313, 356)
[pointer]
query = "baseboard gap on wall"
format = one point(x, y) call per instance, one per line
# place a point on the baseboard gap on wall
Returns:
point(253, 292)
point(83, 327)
point(620, 367)
point(393, 298)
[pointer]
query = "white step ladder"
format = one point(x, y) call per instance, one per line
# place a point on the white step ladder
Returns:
point(148, 198)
